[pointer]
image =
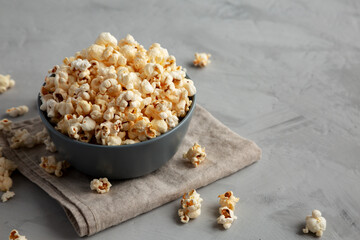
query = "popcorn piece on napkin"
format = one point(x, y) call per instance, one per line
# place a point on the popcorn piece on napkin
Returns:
point(5, 125)
point(50, 165)
point(191, 206)
point(196, 154)
point(14, 235)
point(101, 185)
point(5, 83)
point(22, 138)
point(17, 111)
point(7, 195)
point(315, 223)
point(202, 59)
point(227, 202)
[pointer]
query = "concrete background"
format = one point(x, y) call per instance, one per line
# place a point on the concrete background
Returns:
point(284, 74)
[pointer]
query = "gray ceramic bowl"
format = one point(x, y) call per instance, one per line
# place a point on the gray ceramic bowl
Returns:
point(119, 162)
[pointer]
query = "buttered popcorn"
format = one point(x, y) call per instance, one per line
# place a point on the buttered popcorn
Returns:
point(196, 154)
point(17, 111)
point(5, 125)
point(50, 165)
point(101, 185)
point(227, 202)
point(7, 195)
point(14, 235)
point(202, 59)
point(117, 92)
point(191, 206)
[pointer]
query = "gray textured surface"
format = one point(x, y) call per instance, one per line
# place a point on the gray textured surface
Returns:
point(283, 73)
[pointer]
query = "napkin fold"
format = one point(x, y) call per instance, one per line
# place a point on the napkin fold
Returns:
point(90, 212)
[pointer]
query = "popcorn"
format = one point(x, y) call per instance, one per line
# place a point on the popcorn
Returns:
point(6, 165)
point(202, 59)
point(6, 83)
point(191, 206)
point(227, 202)
point(315, 223)
point(5, 181)
point(116, 81)
point(50, 165)
point(226, 218)
point(7, 195)
point(50, 146)
point(5, 125)
point(22, 138)
point(14, 235)
point(17, 111)
point(101, 185)
point(196, 154)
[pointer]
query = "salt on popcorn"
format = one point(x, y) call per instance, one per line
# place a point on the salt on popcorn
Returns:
point(117, 92)
point(190, 206)
point(5, 83)
point(17, 111)
point(227, 202)
point(202, 59)
point(315, 223)
point(14, 235)
point(101, 185)
point(196, 154)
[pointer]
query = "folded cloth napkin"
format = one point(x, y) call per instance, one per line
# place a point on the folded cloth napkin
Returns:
point(90, 212)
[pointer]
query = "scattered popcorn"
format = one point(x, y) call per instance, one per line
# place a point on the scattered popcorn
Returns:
point(101, 185)
point(117, 92)
point(50, 146)
point(227, 202)
point(202, 59)
point(5, 125)
point(50, 165)
point(6, 168)
point(14, 235)
point(5, 181)
point(191, 206)
point(226, 218)
point(7, 195)
point(17, 111)
point(196, 154)
point(22, 138)
point(6, 165)
point(315, 223)
point(6, 83)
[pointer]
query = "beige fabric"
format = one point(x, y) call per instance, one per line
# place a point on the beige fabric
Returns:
point(90, 212)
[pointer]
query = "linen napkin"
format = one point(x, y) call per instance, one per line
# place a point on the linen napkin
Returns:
point(90, 212)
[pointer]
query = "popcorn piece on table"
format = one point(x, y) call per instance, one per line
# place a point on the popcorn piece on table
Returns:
point(5, 83)
point(191, 206)
point(6, 165)
point(50, 165)
point(227, 217)
point(315, 223)
point(202, 59)
point(14, 235)
point(227, 202)
point(196, 154)
point(7, 195)
point(101, 185)
point(5, 181)
point(5, 125)
point(17, 111)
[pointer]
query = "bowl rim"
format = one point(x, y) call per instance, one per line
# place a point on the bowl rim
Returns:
point(138, 144)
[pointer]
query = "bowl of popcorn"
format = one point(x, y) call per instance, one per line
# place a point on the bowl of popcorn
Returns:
point(117, 110)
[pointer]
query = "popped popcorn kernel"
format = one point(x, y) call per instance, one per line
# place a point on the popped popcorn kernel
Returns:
point(191, 206)
point(5, 181)
point(7, 195)
point(116, 81)
point(315, 223)
point(50, 165)
point(14, 235)
point(5, 125)
point(5, 83)
point(196, 155)
point(202, 59)
point(101, 185)
point(22, 138)
point(227, 202)
point(17, 111)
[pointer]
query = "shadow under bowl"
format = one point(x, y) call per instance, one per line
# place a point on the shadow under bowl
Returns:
point(119, 162)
